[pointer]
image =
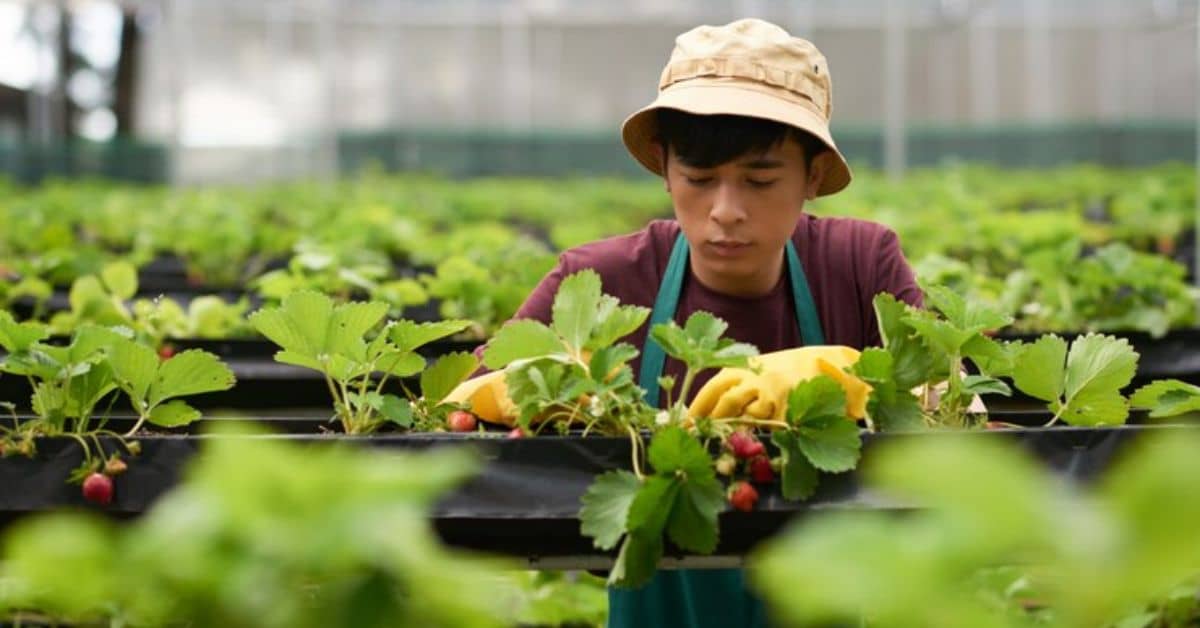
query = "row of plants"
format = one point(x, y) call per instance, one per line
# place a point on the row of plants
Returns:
point(1072, 250)
point(688, 464)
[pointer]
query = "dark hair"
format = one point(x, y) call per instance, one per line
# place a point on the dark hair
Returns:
point(705, 141)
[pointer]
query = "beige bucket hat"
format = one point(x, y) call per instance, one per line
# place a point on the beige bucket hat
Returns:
point(750, 68)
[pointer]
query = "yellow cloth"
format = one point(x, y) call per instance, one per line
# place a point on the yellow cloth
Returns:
point(735, 392)
point(488, 398)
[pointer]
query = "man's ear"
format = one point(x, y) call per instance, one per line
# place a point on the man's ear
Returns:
point(816, 173)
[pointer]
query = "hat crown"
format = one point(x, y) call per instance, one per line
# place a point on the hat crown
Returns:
point(753, 50)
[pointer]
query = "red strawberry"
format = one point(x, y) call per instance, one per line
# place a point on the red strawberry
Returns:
point(743, 496)
point(166, 351)
point(744, 445)
point(98, 489)
point(760, 470)
point(461, 421)
point(516, 433)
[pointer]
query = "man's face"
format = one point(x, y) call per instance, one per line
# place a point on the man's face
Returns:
point(737, 216)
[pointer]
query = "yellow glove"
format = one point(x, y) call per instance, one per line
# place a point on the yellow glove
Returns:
point(735, 392)
point(488, 398)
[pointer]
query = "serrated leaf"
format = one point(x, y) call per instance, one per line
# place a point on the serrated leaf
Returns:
point(134, 365)
point(16, 337)
point(448, 371)
point(400, 364)
point(348, 326)
point(637, 561)
point(699, 344)
point(1167, 398)
point(830, 443)
point(818, 397)
point(648, 511)
point(615, 321)
point(85, 390)
point(521, 340)
point(874, 366)
point(797, 476)
point(575, 307)
point(121, 279)
point(673, 449)
point(173, 414)
point(970, 316)
point(190, 372)
point(299, 325)
point(1039, 367)
point(1098, 363)
point(48, 402)
point(692, 524)
point(902, 413)
point(397, 410)
point(408, 335)
point(303, 359)
point(606, 507)
point(1096, 407)
point(991, 357)
point(605, 360)
point(941, 335)
point(984, 385)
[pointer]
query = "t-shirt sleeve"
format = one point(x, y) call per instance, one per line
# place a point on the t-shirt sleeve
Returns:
point(892, 274)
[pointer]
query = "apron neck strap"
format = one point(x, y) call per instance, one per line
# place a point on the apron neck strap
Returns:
point(667, 301)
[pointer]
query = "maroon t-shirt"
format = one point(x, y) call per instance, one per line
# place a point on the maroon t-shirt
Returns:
point(846, 261)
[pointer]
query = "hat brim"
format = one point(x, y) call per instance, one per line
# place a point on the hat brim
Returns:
point(712, 97)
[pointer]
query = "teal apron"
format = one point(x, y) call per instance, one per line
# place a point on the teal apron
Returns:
point(696, 598)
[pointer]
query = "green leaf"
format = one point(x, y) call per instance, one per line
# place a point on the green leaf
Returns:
point(400, 364)
point(49, 402)
point(692, 524)
point(1098, 363)
point(397, 410)
point(941, 335)
point(699, 344)
point(673, 449)
point(830, 443)
point(348, 326)
point(521, 340)
point(121, 279)
point(1038, 370)
point(1096, 407)
point(299, 325)
point(16, 337)
point(991, 357)
point(134, 365)
point(407, 335)
point(449, 371)
point(190, 372)
point(902, 413)
point(818, 397)
point(606, 507)
point(970, 316)
point(575, 307)
point(306, 360)
point(637, 561)
point(1167, 398)
point(650, 507)
point(798, 476)
point(874, 366)
point(984, 385)
point(615, 321)
point(173, 414)
point(86, 389)
point(605, 360)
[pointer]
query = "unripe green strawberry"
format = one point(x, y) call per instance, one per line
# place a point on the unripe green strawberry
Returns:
point(726, 464)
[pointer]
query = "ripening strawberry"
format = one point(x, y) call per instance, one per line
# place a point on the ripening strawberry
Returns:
point(166, 351)
point(98, 489)
point(744, 445)
point(760, 470)
point(516, 432)
point(460, 421)
point(743, 496)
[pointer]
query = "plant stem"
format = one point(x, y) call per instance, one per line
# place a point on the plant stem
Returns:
point(688, 378)
point(765, 422)
point(635, 441)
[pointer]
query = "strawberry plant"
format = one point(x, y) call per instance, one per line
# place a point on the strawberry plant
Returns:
point(71, 382)
point(333, 339)
point(575, 371)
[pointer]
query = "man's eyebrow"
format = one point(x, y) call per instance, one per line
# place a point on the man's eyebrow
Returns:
point(762, 163)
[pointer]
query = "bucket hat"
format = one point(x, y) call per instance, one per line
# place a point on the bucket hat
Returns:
point(749, 68)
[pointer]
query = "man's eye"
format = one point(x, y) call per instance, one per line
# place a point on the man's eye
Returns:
point(761, 184)
point(698, 180)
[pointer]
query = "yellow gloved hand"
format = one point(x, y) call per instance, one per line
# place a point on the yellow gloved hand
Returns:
point(488, 398)
point(734, 392)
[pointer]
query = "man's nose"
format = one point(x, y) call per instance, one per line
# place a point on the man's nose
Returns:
point(727, 205)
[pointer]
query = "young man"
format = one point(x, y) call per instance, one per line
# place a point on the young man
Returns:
point(739, 133)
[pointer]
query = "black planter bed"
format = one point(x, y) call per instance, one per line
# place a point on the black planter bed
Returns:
point(526, 500)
